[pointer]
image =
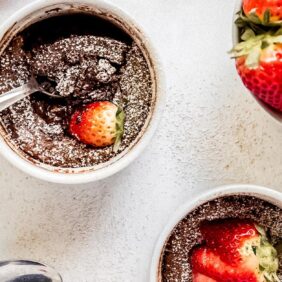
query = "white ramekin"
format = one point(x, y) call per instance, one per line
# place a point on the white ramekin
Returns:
point(235, 34)
point(46, 8)
point(263, 193)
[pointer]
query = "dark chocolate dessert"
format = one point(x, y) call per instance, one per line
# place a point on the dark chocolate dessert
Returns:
point(176, 261)
point(84, 59)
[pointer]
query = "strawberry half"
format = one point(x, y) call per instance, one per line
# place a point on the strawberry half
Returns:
point(259, 64)
point(99, 124)
point(227, 238)
point(206, 262)
point(235, 251)
point(266, 12)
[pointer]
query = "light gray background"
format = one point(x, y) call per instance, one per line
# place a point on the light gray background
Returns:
point(212, 133)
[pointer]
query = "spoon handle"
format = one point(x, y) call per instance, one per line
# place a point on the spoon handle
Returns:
point(27, 271)
point(16, 94)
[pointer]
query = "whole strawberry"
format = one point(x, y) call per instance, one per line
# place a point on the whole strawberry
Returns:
point(265, 12)
point(234, 250)
point(259, 64)
point(99, 124)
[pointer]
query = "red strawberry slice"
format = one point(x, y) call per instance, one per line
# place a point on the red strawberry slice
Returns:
point(235, 250)
point(268, 11)
point(259, 64)
point(206, 262)
point(99, 124)
point(227, 237)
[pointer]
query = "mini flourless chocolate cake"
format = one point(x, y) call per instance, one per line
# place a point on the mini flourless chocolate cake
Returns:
point(176, 264)
point(84, 59)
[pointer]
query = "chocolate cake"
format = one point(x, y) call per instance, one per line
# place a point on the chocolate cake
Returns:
point(175, 264)
point(83, 59)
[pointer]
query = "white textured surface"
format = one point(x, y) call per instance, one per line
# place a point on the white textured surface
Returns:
point(212, 133)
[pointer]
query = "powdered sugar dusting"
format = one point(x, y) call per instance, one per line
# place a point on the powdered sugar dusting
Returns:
point(79, 64)
point(85, 69)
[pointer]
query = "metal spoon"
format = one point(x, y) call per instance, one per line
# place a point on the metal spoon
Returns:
point(27, 271)
point(9, 98)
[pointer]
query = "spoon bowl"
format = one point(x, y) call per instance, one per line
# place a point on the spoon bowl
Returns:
point(27, 271)
point(9, 98)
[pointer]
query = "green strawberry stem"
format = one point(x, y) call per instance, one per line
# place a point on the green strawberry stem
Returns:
point(252, 20)
point(256, 33)
point(252, 46)
point(267, 256)
point(120, 118)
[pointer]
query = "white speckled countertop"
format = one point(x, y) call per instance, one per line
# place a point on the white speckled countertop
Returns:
point(212, 133)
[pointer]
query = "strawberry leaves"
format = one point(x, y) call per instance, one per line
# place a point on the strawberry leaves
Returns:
point(252, 18)
point(253, 23)
point(253, 45)
point(248, 34)
point(255, 35)
point(266, 17)
point(267, 257)
point(120, 118)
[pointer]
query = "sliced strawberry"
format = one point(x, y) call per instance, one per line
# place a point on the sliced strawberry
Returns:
point(264, 11)
point(206, 262)
point(99, 124)
point(227, 237)
point(235, 250)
